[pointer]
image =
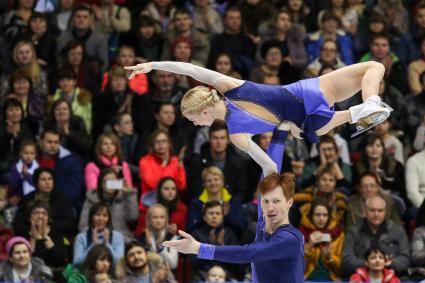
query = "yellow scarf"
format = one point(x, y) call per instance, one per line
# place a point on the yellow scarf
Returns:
point(225, 195)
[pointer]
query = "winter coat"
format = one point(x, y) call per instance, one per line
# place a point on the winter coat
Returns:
point(362, 275)
point(40, 271)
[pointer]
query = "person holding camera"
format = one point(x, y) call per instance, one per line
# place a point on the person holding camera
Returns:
point(324, 238)
point(120, 199)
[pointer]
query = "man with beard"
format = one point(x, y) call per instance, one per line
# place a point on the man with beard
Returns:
point(139, 267)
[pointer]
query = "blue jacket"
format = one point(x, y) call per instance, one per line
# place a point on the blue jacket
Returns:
point(344, 42)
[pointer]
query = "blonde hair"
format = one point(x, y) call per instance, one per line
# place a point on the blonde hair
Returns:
point(198, 98)
point(212, 170)
point(115, 141)
point(33, 67)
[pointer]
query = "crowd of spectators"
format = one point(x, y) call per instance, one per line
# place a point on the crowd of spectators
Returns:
point(96, 171)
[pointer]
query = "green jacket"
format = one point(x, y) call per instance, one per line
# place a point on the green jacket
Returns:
point(73, 275)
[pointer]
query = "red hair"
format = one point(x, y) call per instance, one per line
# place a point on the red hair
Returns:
point(286, 181)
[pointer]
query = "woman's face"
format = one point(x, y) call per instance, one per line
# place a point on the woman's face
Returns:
point(368, 187)
point(328, 53)
point(158, 218)
point(126, 57)
point(108, 148)
point(102, 265)
point(283, 22)
point(326, 183)
point(169, 190)
point(45, 182)
point(375, 150)
point(147, 31)
point(21, 87)
point(75, 56)
point(273, 57)
point(118, 84)
point(205, 118)
point(223, 64)
point(320, 216)
point(39, 215)
point(213, 183)
point(100, 219)
point(182, 52)
point(13, 114)
point(110, 176)
point(295, 5)
point(24, 55)
point(161, 145)
point(62, 112)
point(38, 26)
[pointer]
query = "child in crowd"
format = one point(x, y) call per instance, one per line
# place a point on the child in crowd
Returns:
point(216, 274)
point(102, 277)
point(21, 182)
point(375, 270)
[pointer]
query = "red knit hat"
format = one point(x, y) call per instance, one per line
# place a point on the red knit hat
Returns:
point(17, 240)
point(181, 39)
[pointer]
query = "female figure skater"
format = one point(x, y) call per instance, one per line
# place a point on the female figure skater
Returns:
point(250, 108)
point(277, 254)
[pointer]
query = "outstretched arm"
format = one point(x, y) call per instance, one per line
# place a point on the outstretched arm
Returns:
point(213, 78)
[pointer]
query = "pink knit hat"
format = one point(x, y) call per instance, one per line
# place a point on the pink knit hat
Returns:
point(17, 240)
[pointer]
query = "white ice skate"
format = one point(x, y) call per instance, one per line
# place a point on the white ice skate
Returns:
point(369, 114)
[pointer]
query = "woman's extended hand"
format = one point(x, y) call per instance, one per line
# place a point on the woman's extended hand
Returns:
point(187, 245)
point(139, 69)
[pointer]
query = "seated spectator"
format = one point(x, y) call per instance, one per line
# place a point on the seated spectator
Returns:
point(168, 196)
point(62, 15)
point(183, 26)
point(80, 99)
point(161, 162)
point(289, 35)
point(121, 201)
point(224, 65)
point(324, 189)
point(21, 174)
point(368, 186)
point(376, 230)
point(374, 159)
point(21, 266)
point(62, 215)
point(107, 154)
point(7, 213)
point(328, 57)
point(418, 249)
point(140, 266)
point(347, 15)
point(14, 23)
point(393, 146)
point(218, 152)
point(25, 57)
point(145, 38)
point(255, 13)
point(206, 17)
point(14, 129)
point(397, 15)
point(98, 260)
point(215, 190)
point(116, 98)
point(216, 274)
point(419, 141)
point(161, 11)
point(415, 69)
point(272, 55)
point(302, 15)
point(156, 232)
point(213, 231)
point(328, 156)
point(375, 269)
point(380, 51)
point(127, 57)
point(100, 231)
point(393, 97)
point(46, 241)
point(68, 174)
point(415, 178)
point(341, 143)
point(330, 26)
point(72, 129)
point(131, 142)
point(324, 238)
point(95, 42)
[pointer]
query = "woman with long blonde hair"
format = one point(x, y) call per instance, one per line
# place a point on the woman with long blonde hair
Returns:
point(250, 108)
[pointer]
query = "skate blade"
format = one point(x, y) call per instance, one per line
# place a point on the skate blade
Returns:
point(369, 122)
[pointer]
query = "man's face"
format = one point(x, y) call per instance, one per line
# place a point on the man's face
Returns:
point(81, 20)
point(136, 258)
point(165, 81)
point(330, 26)
point(330, 152)
point(233, 20)
point(126, 57)
point(166, 115)
point(67, 85)
point(49, 144)
point(218, 141)
point(275, 206)
point(183, 22)
point(118, 83)
point(380, 48)
point(376, 261)
point(375, 211)
point(420, 18)
point(125, 126)
point(214, 216)
point(20, 256)
point(368, 187)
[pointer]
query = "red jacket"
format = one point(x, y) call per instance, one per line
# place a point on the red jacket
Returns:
point(178, 217)
point(362, 275)
point(151, 171)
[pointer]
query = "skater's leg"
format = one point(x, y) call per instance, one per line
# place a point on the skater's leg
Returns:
point(343, 83)
point(339, 118)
